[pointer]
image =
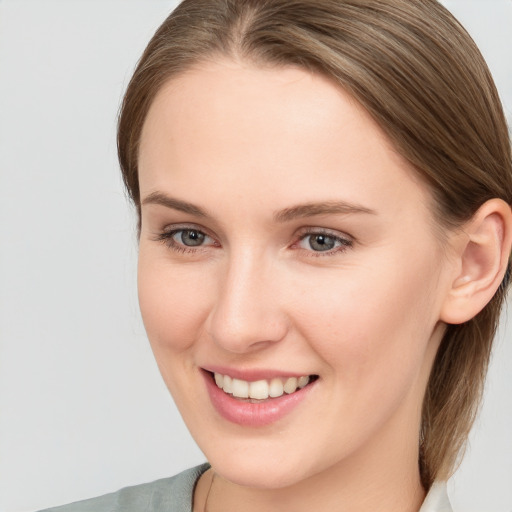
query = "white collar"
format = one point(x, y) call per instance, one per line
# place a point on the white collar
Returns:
point(437, 499)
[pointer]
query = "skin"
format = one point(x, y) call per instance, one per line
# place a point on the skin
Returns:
point(242, 143)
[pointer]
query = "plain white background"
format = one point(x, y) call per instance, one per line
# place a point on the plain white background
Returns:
point(83, 410)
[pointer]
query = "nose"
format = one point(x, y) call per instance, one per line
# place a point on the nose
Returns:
point(248, 313)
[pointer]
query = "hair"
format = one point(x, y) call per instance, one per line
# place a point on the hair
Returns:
point(423, 80)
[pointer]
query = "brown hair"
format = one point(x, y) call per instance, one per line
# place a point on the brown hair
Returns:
point(421, 77)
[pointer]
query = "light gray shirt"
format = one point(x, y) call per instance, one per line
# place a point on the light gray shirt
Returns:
point(175, 495)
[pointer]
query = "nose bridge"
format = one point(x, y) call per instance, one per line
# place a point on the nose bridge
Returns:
point(247, 314)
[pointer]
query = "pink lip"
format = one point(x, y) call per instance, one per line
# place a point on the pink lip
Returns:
point(253, 414)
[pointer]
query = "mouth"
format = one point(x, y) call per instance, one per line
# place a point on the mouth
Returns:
point(264, 399)
point(261, 390)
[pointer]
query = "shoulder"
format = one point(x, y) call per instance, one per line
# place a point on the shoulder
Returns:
point(172, 494)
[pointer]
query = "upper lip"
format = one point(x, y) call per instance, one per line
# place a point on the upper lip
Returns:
point(252, 374)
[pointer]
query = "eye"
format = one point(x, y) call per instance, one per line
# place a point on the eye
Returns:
point(323, 242)
point(186, 239)
point(189, 237)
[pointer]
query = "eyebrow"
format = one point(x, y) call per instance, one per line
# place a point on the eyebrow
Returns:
point(175, 204)
point(323, 208)
point(285, 215)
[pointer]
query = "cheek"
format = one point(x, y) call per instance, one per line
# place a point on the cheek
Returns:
point(372, 325)
point(173, 302)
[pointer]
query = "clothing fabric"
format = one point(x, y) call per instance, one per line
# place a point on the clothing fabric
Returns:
point(175, 495)
point(437, 499)
point(165, 495)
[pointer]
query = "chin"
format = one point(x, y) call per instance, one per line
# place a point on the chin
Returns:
point(271, 476)
point(260, 464)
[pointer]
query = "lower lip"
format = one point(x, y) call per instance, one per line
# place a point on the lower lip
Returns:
point(251, 414)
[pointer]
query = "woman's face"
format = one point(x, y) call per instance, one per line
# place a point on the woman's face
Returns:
point(285, 242)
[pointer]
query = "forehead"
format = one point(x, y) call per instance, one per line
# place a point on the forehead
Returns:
point(231, 124)
point(226, 95)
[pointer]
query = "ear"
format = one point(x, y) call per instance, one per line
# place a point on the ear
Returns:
point(482, 258)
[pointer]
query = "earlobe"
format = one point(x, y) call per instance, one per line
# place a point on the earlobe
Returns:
point(482, 259)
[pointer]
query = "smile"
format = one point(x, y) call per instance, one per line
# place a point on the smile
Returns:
point(259, 401)
point(260, 389)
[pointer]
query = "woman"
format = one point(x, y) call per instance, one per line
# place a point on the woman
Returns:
point(324, 191)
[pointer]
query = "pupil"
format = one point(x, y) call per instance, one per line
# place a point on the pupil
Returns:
point(192, 237)
point(322, 242)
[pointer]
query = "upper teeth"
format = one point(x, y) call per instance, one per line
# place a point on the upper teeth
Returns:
point(260, 389)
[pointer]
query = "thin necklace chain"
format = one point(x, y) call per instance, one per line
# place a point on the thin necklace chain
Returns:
point(208, 493)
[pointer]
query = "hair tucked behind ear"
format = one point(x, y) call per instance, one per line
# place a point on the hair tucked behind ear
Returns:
point(421, 77)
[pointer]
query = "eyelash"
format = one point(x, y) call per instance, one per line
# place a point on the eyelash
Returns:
point(344, 243)
point(167, 237)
